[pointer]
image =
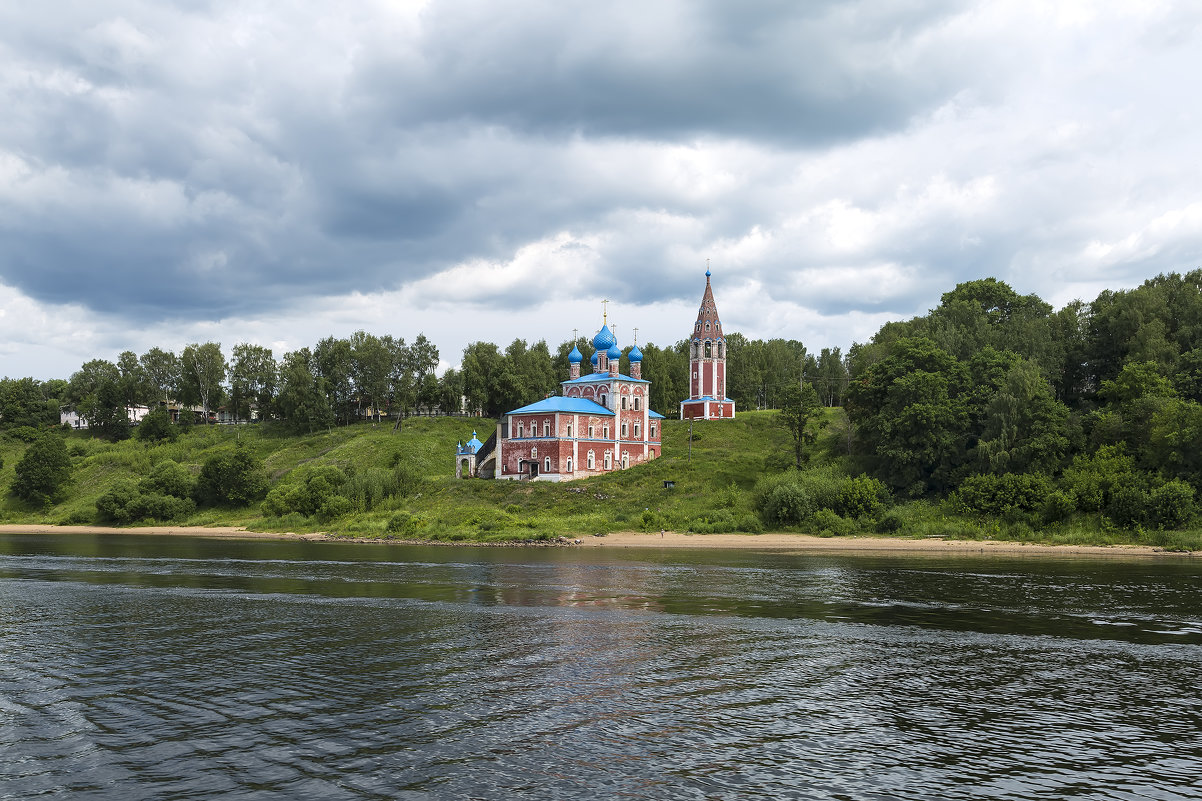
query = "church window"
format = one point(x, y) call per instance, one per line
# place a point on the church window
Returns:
point(698, 326)
point(609, 462)
point(547, 464)
point(568, 463)
point(546, 429)
point(623, 430)
point(636, 403)
point(519, 430)
point(625, 460)
point(709, 349)
point(623, 402)
point(636, 430)
point(592, 461)
point(707, 326)
point(590, 432)
point(605, 431)
point(651, 430)
point(569, 430)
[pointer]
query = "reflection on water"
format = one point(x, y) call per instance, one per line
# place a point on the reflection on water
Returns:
point(173, 668)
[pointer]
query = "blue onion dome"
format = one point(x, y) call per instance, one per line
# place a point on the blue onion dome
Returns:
point(596, 357)
point(575, 357)
point(614, 352)
point(635, 354)
point(604, 338)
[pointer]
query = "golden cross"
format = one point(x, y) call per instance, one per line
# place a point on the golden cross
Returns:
point(604, 315)
point(636, 336)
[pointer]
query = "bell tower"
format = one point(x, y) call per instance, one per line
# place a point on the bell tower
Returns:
point(707, 364)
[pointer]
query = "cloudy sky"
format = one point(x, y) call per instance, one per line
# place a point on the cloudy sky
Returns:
point(246, 170)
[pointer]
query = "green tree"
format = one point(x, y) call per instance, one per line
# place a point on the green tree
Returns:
point(163, 373)
point(911, 414)
point(156, 426)
point(97, 393)
point(27, 402)
point(42, 470)
point(371, 370)
point(1024, 427)
point(203, 370)
point(302, 401)
point(253, 377)
point(800, 407)
point(335, 365)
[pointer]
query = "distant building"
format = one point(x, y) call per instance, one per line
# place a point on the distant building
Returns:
point(707, 365)
point(601, 423)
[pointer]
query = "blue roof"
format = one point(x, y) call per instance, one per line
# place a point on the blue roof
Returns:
point(635, 354)
point(655, 415)
point(596, 357)
point(604, 338)
point(558, 403)
point(575, 357)
point(584, 379)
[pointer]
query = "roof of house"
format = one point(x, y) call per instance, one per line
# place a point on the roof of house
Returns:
point(591, 377)
point(655, 415)
point(558, 403)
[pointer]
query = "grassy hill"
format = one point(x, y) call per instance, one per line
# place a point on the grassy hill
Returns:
point(402, 485)
point(714, 483)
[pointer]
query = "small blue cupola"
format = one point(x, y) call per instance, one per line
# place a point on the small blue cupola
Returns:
point(635, 354)
point(575, 357)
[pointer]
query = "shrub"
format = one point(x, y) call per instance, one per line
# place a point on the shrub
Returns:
point(890, 523)
point(1058, 506)
point(1129, 506)
point(1000, 495)
point(24, 433)
point(43, 470)
point(156, 426)
point(169, 478)
point(1172, 504)
point(787, 505)
point(231, 478)
point(335, 506)
point(750, 524)
point(861, 497)
point(827, 523)
point(125, 502)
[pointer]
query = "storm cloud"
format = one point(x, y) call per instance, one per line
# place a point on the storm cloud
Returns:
point(249, 171)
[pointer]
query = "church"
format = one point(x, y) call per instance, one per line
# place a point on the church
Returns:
point(600, 423)
point(707, 365)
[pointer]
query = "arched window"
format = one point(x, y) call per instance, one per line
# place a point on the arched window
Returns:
point(590, 432)
point(623, 431)
point(636, 403)
point(546, 464)
point(546, 429)
point(625, 460)
point(707, 326)
point(636, 430)
point(605, 431)
point(519, 430)
point(568, 464)
point(608, 460)
point(592, 461)
point(623, 402)
point(709, 349)
point(569, 430)
point(651, 430)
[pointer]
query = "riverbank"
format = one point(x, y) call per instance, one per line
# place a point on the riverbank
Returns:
point(800, 543)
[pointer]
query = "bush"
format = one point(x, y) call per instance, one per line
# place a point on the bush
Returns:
point(890, 523)
point(231, 478)
point(169, 478)
point(24, 433)
point(827, 523)
point(43, 470)
point(1172, 505)
point(156, 426)
point(786, 505)
point(861, 497)
point(335, 506)
point(1001, 495)
point(1058, 506)
point(125, 503)
point(1129, 506)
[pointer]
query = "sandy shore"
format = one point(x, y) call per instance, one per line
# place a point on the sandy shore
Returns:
point(799, 543)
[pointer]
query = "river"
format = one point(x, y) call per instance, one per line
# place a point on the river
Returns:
point(139, 667)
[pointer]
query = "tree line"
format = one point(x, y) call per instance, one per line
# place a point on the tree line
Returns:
point(1012, 408)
